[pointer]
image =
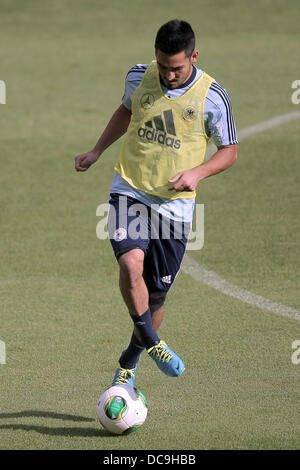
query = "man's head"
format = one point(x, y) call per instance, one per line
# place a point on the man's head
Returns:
point(175, 52)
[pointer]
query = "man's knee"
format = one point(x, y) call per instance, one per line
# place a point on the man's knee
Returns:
point(156, 300)
point(132, 265)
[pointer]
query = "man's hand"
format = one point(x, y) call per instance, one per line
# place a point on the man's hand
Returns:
point(85, 160)
point(185, 180)
point(116, 127)
point(188, 180)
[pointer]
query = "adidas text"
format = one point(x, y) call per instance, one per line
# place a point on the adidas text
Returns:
point(152, 135)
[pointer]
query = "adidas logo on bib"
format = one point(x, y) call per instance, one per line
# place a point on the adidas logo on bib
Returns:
point(160, 129)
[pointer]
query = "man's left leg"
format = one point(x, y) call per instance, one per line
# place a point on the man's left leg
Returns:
point(130, 356)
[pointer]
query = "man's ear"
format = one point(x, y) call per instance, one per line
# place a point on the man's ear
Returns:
point(194, 56)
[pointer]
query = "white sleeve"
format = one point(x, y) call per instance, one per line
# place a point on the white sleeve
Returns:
point(218, 116)
point(132, 81)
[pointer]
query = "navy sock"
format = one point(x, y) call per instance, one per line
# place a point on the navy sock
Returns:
point(130, 357)
point(143, 324)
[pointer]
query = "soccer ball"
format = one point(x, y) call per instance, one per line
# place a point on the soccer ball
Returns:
point(122, 409)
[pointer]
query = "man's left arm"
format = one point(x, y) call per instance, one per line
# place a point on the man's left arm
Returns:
point(220, 127)
point(188, 180)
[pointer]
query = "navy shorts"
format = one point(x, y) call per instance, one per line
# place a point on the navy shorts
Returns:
point(131, 224)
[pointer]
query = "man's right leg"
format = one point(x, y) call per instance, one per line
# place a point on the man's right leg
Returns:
point(136, 298)
point(131, 281)
point(130, 253)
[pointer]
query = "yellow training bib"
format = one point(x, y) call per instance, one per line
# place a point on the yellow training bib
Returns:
point(165, 136)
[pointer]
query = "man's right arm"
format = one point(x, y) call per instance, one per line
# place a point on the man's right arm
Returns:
point(116, 127)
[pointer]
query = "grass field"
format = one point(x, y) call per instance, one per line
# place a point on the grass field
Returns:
point(61, 314)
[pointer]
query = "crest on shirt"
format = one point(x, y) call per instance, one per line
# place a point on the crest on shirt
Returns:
point(189, 113)
point(147, 101)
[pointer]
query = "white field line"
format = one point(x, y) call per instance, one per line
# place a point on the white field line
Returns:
point(212, 279)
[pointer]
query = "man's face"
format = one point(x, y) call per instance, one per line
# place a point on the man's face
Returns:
point(175, 69)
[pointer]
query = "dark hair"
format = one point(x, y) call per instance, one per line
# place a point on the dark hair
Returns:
point(175, 36)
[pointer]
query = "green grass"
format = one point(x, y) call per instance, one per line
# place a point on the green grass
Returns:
point(61, 314)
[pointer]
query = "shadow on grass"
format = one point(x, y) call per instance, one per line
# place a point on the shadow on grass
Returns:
point(44, 414)
point(53, 431)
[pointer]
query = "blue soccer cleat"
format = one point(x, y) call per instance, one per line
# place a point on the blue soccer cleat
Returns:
point(124, 376)
point(166, 360)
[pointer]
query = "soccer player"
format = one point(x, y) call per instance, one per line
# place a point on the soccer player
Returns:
point(169, 111)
